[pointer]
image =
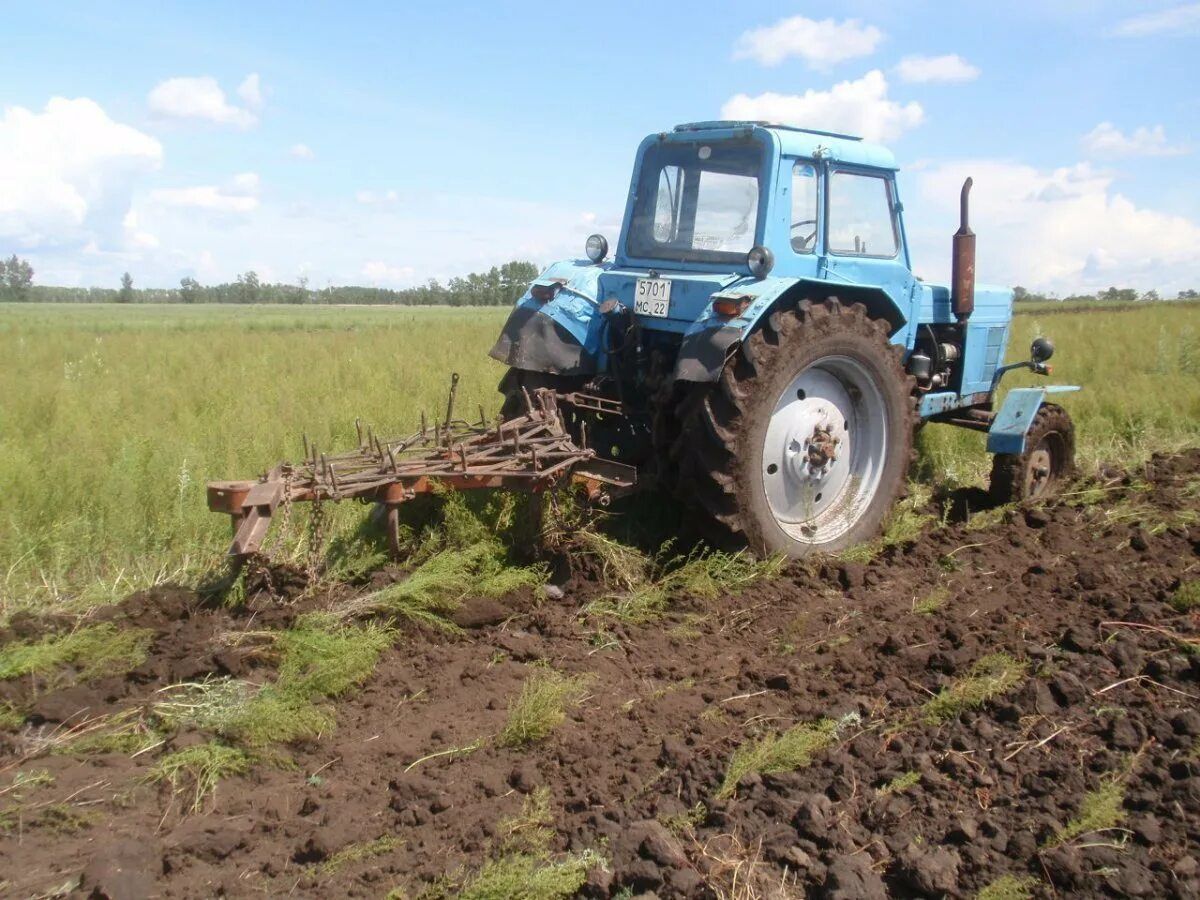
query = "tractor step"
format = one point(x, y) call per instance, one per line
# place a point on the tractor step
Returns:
point(533, 452)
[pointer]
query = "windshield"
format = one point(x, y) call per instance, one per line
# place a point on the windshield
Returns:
point(697, 201)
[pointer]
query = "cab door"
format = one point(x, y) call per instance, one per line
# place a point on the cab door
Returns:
point(863, 234)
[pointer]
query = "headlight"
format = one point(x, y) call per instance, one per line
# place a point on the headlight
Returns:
point(596, 248)
point(760, 260)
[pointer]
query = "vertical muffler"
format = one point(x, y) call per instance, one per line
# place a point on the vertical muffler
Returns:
point(962, 262)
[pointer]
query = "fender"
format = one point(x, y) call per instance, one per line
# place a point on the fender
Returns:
point(562, 335)
point(709, 341)
point(1011, 423)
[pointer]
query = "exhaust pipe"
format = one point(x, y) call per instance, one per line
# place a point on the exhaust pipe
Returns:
point(962, 261)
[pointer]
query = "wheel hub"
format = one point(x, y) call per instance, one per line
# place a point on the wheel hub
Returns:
point(823, 450)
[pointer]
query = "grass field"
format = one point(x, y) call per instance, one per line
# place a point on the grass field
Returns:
point(114, 417)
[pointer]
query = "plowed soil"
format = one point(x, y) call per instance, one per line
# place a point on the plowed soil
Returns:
point(1078, 590)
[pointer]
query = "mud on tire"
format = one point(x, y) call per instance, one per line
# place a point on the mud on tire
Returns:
point(719, 453)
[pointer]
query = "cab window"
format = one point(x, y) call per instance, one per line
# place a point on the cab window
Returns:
point(804, 207)
point(861, 219)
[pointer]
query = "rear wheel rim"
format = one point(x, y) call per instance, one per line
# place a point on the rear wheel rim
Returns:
point(824, 450)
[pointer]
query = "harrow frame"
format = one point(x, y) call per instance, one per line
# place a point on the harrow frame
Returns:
point(533, 452)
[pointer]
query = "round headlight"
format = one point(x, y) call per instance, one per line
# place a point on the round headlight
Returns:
point(760, 260)
point(596, 248)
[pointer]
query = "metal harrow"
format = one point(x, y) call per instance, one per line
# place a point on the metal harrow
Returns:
point(533, 452)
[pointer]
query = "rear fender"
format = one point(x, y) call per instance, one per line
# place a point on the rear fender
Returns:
point(563, 335)
point(709, 342)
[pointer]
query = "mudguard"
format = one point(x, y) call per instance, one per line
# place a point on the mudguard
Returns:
point(1011, 424)
point(563, 335)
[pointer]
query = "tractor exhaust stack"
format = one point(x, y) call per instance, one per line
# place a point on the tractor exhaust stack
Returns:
point(962, 263)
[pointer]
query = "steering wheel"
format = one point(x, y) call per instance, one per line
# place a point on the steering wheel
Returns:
point(802, 243)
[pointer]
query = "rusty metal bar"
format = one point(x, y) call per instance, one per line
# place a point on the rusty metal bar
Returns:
point(532, 452)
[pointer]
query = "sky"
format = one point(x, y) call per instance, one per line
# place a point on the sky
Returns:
point(386, 143)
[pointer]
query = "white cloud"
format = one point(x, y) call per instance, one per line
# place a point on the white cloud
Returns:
point(1063, 230)
point(1107, 140)
point(251, 91)
point(857, 107)
point(240, 196)
point(381, 274)
point(1183, 19)
point(376, 198)
point(822, 44)
point(301, 151)
point(67, 174)
point(924, 69)
point(202, 98)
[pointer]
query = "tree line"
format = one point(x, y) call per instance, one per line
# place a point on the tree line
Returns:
point(1108, 295)
point(499, 286)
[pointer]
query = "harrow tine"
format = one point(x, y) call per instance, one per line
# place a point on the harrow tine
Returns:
point(450, 404)
point(358, 429)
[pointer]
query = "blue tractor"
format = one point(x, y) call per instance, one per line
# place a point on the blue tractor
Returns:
point(759, 345)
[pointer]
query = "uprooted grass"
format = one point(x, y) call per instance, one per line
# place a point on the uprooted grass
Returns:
point(1008, 887)
point(355, 853)
point(94, 651)
point(524, 868)
point(793, 749)
point(908, 520)
point(900, 784)
point(197, 770)
point(319, 659)
point(1100, 810)
point(463, 556)
point(541, 706)
point(1186, 597)
point(125, 732)
point(704, 575)
point(991, 676)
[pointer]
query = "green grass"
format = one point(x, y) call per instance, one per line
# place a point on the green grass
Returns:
point(1008, 887)
point(126, 732)
point(95, 651)
point(11, 718)
point(932, 602)
point(1187, 597)
point(541, 706)
point(900, 784)
point(115, 417)
point(1100, 810)
point(530, 876)
point(356, 853)
point(705, 575)
point(990, 677)
point(319, 660)
point(793, 749)
point(194, 772)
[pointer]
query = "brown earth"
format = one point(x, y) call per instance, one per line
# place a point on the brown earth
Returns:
point(1077, 590)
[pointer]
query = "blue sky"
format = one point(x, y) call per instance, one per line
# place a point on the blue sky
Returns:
point(377, 143)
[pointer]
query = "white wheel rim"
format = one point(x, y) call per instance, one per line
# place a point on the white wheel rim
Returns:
point(825, 449)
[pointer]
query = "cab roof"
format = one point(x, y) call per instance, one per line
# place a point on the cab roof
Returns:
point(797, 141)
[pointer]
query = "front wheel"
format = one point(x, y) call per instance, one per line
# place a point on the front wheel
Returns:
point(804, 443)
point(1048, 460)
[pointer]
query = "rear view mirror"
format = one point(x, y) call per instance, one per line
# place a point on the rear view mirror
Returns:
point(1041, 349)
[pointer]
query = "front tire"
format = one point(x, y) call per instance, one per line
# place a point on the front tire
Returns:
point(1048, 460)
point(803, 444)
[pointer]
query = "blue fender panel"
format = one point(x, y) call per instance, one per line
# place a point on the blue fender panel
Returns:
point(1011, 425)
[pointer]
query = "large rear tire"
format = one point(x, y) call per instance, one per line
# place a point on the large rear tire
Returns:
point(803, 444)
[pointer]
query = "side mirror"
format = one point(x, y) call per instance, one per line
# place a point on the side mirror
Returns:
point(1041, 349)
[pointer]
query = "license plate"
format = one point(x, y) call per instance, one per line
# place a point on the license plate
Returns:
point(652, 297)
